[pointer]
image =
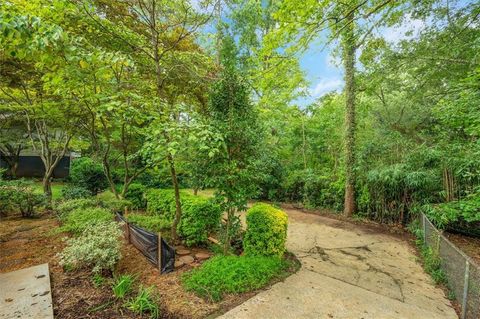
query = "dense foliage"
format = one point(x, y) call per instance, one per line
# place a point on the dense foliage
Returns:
point(201, 216)
point(88, 174)
point(154, 103)
point(153, 223)
point(232, 274)
point(19, 196)
point(96, 248)
point(136, 195)
point(266, 231)
point(80, 219)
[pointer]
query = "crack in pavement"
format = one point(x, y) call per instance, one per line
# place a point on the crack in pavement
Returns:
point(324, 256)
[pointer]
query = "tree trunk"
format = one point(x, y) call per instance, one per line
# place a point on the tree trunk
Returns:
point(47, 189)
point(226, 244)
point(178, 205)
point(195, 191)
point(349, 48)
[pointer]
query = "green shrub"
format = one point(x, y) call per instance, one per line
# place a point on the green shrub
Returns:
point(20, 195)
point(80, 219)
point(232, 274)
point(136, 195)
point(462, 215)
point(108, 201)
point(162, 202)
point(144, 303)
point(153, 223)
point(97, 248)
point(122, 286)
point(66, 207)
point(86, 173)
point(266, 231)
point(200, 216)
point(74, 192)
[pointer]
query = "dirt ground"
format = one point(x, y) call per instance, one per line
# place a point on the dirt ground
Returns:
point(469, 245)
point(349, 270)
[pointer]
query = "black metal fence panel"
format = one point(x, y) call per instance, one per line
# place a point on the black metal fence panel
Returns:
point(148, 244)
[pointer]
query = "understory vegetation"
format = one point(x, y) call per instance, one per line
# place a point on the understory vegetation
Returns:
point(232, 274)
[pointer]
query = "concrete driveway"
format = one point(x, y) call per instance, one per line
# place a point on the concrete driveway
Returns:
point(350, 272)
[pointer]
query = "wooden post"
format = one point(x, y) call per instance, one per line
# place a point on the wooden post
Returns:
point(159, 253)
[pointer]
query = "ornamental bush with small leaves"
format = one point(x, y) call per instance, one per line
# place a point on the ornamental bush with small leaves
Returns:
point(86, 173)
point(266, 231)
point(162, 202)
point(153, 223)
point(97, 248)
point(80, 219)
point(66, 207)
point(20, 195)
point(74, 192)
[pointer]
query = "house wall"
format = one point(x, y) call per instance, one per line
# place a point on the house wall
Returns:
point(32, 166)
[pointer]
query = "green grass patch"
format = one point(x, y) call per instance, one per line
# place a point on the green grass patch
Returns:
point(233, 274)
point(56, 189)
point(201, 192)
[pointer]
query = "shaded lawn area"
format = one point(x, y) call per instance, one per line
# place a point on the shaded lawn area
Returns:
point(56, 189)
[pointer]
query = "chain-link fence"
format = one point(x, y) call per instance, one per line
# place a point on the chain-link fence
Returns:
point(463, 274)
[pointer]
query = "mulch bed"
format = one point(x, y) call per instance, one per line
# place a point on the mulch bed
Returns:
point(29, 242)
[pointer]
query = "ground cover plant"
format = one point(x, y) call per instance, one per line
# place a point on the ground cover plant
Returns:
point(80, 219)
point(232, 274)
point(96, 248)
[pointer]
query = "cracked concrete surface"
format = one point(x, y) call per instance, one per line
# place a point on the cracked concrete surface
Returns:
point(348, 272)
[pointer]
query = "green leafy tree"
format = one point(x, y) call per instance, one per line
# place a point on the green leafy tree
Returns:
point(233, 169)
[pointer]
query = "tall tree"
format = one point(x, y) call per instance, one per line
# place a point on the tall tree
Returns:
point(353, 23)
point(233, 115)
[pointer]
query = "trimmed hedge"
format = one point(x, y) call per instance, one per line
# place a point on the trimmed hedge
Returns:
point(200, 215)
point(162, 202)
point(266, 231)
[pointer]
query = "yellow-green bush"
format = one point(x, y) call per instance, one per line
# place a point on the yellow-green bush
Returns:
point(266, 231)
